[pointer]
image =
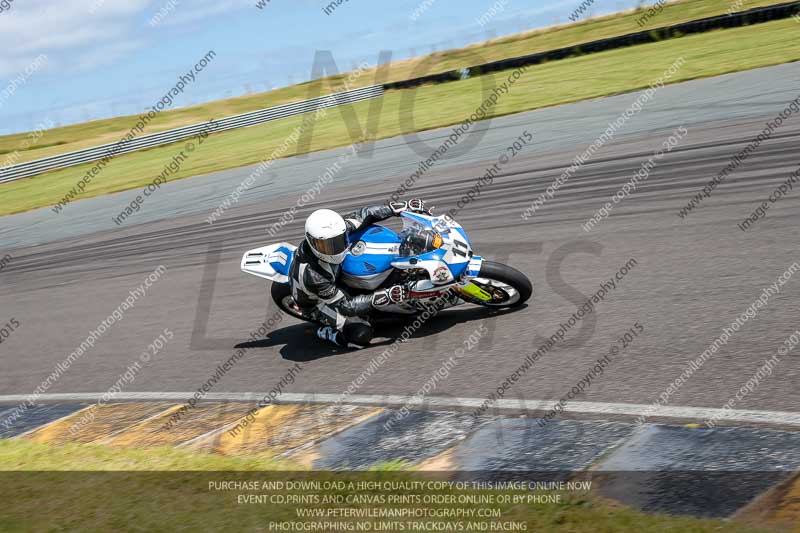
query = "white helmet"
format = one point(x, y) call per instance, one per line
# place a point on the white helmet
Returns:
point(326, 233)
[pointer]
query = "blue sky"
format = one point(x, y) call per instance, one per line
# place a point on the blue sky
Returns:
point(105, 59)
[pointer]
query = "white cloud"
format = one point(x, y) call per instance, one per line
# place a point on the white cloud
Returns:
point(108, 54)
point(65, 32)
point(189, 11)
point(82, 34)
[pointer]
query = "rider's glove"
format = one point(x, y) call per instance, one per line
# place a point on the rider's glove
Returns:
point(415, 205)
point(393, 295)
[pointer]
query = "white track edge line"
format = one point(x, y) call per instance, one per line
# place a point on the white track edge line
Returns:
point(629, 409)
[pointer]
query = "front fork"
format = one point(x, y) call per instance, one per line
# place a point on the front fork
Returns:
point(469, 291)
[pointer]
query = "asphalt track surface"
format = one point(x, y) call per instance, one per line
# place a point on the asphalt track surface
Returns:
point(694, 275)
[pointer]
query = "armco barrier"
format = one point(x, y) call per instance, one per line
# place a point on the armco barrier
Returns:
point(31, 168)
point(735, 20)
point(743, 18)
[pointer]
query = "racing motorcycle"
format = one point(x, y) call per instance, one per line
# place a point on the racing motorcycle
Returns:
point(432, 256)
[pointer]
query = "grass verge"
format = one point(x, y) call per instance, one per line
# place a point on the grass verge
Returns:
point(23, 455)
point(75, 137)
point(612, 72)
point(37, 498)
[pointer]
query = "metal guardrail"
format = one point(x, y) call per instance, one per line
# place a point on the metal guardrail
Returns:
point(751, 16)
point(252, 118)
point(734, 20)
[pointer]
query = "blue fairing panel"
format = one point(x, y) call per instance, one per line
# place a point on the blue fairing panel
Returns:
point(382, 247)
point(377, 234)
point(282, 267)
point(367, 264)
point(458, 269)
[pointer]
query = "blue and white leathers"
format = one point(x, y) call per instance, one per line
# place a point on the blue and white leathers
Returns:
point(374, 252)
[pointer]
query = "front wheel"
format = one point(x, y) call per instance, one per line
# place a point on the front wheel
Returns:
point(282, 296)
point(498, 285)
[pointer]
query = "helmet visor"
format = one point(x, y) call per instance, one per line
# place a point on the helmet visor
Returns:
point(330, 246)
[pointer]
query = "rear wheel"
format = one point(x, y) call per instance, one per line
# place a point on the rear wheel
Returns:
point(282, 296)
point(498, 285)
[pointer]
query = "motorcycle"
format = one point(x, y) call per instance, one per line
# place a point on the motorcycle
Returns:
point(432, 255)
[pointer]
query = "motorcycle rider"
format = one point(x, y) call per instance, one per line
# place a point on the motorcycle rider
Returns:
point(314, 274)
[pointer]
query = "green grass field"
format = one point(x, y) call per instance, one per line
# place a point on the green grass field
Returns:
point(612, 72)
point(49, 488)
point(69, 138)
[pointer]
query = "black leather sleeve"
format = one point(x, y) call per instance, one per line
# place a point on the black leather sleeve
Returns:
point(354, 305)
point(327, 291)
point(367, 216)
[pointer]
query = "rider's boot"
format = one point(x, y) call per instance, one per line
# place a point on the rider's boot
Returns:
point(357, 334)
point(332, 335)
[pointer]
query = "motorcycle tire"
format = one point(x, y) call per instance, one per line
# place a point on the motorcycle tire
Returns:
point(508, 276)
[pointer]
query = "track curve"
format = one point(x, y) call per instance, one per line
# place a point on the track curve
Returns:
point(693, 276)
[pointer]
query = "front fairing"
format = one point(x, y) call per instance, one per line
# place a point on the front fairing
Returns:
point(376, 249)
point(446, 263)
